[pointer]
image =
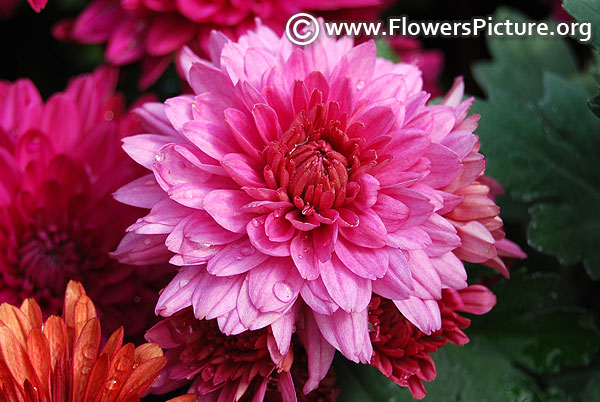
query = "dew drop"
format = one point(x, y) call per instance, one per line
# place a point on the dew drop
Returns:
point(283, 291)
point(89, 351)
point(300, 256)
point(158, 157)
point(206, 245)
point(247, 251)
point(124, 363)
point(112, 384)
point(85, 369)
point(147, 241)
point(255, 222)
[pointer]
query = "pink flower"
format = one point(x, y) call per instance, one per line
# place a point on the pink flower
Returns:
point(60, 163)
point(296, 182)
point(403, 353)
point(151, 31)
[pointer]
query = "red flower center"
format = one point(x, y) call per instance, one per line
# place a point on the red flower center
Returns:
point(317, 160)
point(48, 257)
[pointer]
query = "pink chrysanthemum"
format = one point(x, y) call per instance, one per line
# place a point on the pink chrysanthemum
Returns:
point(60, 162)
point(151, 30)
point(296, 182)
point(402, 352)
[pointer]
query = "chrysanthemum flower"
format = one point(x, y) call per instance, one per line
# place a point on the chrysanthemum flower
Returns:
point(61, 161)
point(151, 31)
point(60, 359)
point(403, 353)
point(295, 183)
point(221, 367)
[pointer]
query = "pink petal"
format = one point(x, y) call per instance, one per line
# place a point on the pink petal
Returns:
point(274, 285)
point(369, 188)
point(259, 239)
point(178, 293)
point(365, 262)
point(316, 297)
point(370, 232)
point(351, 292)
point(477, 299)
point(424, 314)
point(250, 317)
point(243, 170)
point(325, 238)
point(167, 34)
point(283, 328)
point(397, 283)
point(319, 352)
point(304, 256)
point(215, 296)
point(426, 280)
point(236, 258)
point(143, 192)
point(225, 207)
point(348, 333)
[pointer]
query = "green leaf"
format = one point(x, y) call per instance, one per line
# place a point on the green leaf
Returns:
point(518, 62)
point(385, 51)
point(541, 142)
point(586, 11)
point(475, 372)
point(594, 104)
point(531, 326)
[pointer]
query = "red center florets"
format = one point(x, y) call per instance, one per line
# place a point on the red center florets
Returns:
point(317, 160)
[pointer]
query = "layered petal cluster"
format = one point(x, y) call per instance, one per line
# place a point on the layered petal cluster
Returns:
point(60, 161)
point(221, 367)
point(296, 182)
point(151, 30)
point(60, 359)
point(430, 62)
point(403, 353)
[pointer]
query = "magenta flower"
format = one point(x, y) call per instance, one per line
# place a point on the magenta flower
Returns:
point(150, 31)
point(61, 160)
point(295, 183)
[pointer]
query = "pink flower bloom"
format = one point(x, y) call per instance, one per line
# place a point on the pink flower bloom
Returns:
point(151, 31)
point(296, 182)
point(61, 161)
point(403, 353)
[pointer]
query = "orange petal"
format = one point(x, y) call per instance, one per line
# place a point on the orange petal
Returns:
point(14, 319)
point(142, 377)
point(147, 351)
point(98, 378)
point(39, 356)
point(33, 312)
point(85, 354)
point(114, 343)
point(84, 311)
point(74, 291)
point(121, 366)
point(184, 398)
point(55, 330)
point(8, 386)
point(15, 357)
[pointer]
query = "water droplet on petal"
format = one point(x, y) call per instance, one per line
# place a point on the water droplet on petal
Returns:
point(89, 351)
point(255, 222)
point(247, 251)
point(300, 256)
point(124, 363)
point(283, 291)
point(147, 241)
point(112, 384)
point(85, 369)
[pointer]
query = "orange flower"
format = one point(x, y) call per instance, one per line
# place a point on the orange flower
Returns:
point(59, 361)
